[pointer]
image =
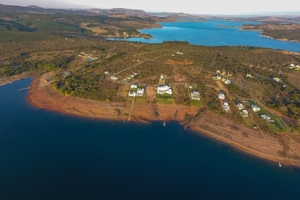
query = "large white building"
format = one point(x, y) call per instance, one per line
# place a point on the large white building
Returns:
point(195, 95)
point(164, 89)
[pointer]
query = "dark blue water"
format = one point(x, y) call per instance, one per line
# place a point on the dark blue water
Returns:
point(46, 155)
point(214, 33)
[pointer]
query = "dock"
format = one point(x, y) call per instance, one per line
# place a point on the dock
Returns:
point(131, 108)
point(23, 89)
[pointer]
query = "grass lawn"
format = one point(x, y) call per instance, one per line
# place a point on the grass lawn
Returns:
point(278, 126)
point(196, 103)
point(141, 100)
point(165, 101)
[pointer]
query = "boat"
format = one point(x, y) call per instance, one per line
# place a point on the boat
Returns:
point(164, 124)
point(279, 164)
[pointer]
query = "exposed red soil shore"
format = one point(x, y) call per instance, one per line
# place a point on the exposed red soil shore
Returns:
point(284, 148)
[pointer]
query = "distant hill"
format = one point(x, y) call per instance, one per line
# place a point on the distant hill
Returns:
point(117, 11)
point(34, 9)
point(97, 11)
point(33, 6)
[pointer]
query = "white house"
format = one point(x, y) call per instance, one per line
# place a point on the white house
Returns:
point(195, 95)
point(140, 92)
point(255, 108)
point(133, 86)
point(245, 113)
point(217, 77)
point(227, 81)
point(114, 78)
point(226, 106)
point(240, 106)
point(164, 89)
point(249, 76)
point(266, 117)
point(277, 79)
point(221, 96)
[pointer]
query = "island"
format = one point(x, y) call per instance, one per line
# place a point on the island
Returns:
point(246, 97)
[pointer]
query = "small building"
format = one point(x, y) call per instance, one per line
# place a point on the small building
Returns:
point(240, 106)
point(226, 106)
point(277, 79)
point(221, 96)
point(161, 76)
point(255, 108)
point(217, 77)
point(245, 113)
point(140, 92)
point(133, 86)
point(249, 76)
point(195, 95)
point(132, 93)
point(266, 117)
point(227, 81)
point(114, 78)
point(180, 53)
point(106, 72)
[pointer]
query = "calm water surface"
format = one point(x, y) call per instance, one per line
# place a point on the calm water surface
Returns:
point(47, 155)
point(214, 33)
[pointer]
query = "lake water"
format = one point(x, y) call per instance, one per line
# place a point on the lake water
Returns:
point(46, 155)
point(214, 33)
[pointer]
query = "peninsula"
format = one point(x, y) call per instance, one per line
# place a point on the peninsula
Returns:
point(244, 96)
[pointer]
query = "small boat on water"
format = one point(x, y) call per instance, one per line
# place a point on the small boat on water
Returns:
point(164, 124)
point(279, 164)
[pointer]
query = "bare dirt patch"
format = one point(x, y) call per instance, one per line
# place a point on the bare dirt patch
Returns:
point(171, 62)
point(294, 79)
point(97, 30)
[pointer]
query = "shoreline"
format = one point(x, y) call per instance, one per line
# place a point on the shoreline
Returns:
point(245, 139)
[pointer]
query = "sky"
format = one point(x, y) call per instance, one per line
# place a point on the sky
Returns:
point(186, 6)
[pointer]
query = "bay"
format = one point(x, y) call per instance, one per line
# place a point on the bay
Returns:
point(214, 33)
point(48, 155)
